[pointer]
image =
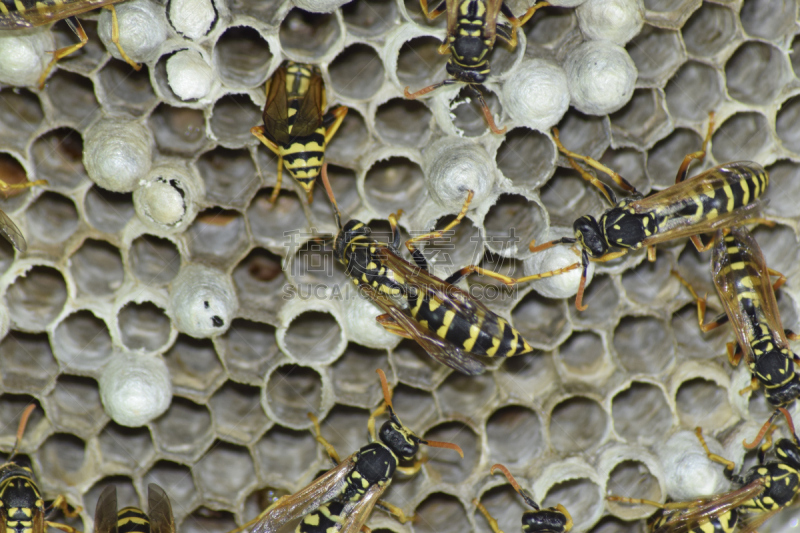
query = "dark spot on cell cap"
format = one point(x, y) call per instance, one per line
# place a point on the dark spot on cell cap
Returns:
point(205, 304)
point(217, 321)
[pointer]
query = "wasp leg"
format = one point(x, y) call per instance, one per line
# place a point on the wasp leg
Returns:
point(519, 22)
point(754, 384)
point(62, 527)
point(60, 503)
point(394, 510)
point(12, 186)
point(327, 445)
point(393, 218)
point(414, 468)
point(436, 12)
point(458, 275)
point(735, 353)
point(701, 308)
point(729, 465)
point(388, 323)
point(597, 165)
point(115, 38)
point(436, 234)
point(339, 113)
point(258, 131)
point(489, 518)
point(698, 243)
point(766, 429)
point(371, 422)
point(791, 335)
point(61, 53)
point(699, 155)
point(778, 282)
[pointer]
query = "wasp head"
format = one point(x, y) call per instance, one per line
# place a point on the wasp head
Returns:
point(775, 369)
point(590, 236)
point(403, 443)
point(351, 232)
point(466, 73)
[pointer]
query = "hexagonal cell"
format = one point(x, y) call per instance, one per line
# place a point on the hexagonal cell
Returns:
point(307, 34)
point(515, 435)
point(357, 72)
point(644, 345)
point(633, 477)
point(761, 18)
point(369, 17)
point(505, 506)
point(549, 27)
point(343, 182)
point(583, 354)
point(82, 342)
point(394, 183)
point(512, 223)
point(20, 116)
point(603, 300)
point(756, 73)
point(526, 157)
point(91, 55)
point(237, 414)
point(126, 493)
point(403, 122)
point(354, 379)
point(414, 366)
point(312, 335)
point(468, 114)
point(742, 136)
point(224, 471)
point(61, 457)
point(242, 56)
point(74, 405)
point(154, 260)
point(703, 403)
point(230, 177)
point(351, 141)
point(441, 513)
point(36, 299)
point(108, 211)
point(291, 392)
point(345, 428)
point(611, 524)
point(787, 117)
point(184, 430)
point(97, 268)
point(205, 520)
point(11, 410)
point(446, 465)
point(695, 90)
point(648, 283)
point(177, 481)
point(259, 281)
point(217, 237)
point(419, 63)
point(58, 157)
point(784, 177)
point(194, 368)
point(541, 321)
point(274, 462)
point(666, 156)
point(270, 224)
point(657, 54)
point(126, 448)
point(581, 496)
point(13, 173)
point(691, 340)
point(27, 362)
point(231, 119)
point(465, 394)
point(73, 97)
point(178, 130)
point(126, 90)
point(248, 349)
point(577, 424)
point(583, 134)
point(641, 414)
point(52, 219)
point(700, 42)
point(566, 197)
point(143, 326)
point(642, 120)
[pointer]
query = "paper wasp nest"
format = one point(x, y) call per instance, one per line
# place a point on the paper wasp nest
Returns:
point(576, 420)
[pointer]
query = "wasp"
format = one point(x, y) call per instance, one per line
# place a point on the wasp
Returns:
point(451, 325)
point(551, 520)
point(764, 489)
point(22, 508)
point(19, 14)
point(295, 128)
point(11, 232)
point(131, 519)
point(343, 498)
point(742, 279)
point(472, 29)
point(722, 196)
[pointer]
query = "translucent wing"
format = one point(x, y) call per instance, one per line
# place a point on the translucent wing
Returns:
point(492, 11)
point(357, 516)
point(159, 510)
point(309, 115)
point(105, 514)
point(276, 110)
point(452, 16)
point(42, 13)
point(11, 232)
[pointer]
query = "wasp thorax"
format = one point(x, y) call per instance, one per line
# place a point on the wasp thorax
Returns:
point(399, 440)
point(590, 236)
point(776, 370)
point(788, 452)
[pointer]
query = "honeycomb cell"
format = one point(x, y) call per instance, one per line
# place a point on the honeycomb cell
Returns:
point(36, 299)
point(178, 131)
point(583, 355)
point(11, 409)
point(763, 19)
point(699, 41)
point(82, 342)
point(126, 90)
point(28, 363)
point(72, 97)
point(350, 142)
point(742, 136)
point(242, 57)
point(205, 520)
point(21, 114)
point(184, 431)
point(97, 268)
point(177, 480)
point(357, 72)
point(648, 283)
point(414, 366)
point(354, 379)
point(603, 300)
point(57, 157)
point(441, 513)
point(784, 176)
point(610, 524)
point(313, 336)
point(107, 210)
point(224, 471)
point(786, 119)
point(274, 224)
point(756, 73)
point(74, 405)
point(273, 461)
point(419, 64)
point(343, 183)
point(641, 414)
point(577, 423)
point(127, 449)
point(703, 403)
point(633, 477)
point(445, 465)
point(194, 368)
point(515, 435)
point(657, 54)
point(505, 506)
point(512, 223)
point(309, 35)
point(394, 183)
point(468, 115)
point(695, 90)
point(236, 413)
point(143, 326)
point(465, 394)
point(550, 27)
point(230, 177)
point(582, 497)
point(154, 260)
point(61, 457)
point(666, 156)
point(541, 321)
point(231, 119)
point(403, 122)
point(369, 18)
point(526, 157)
point(583, 134)
point(52, 219)
point(13, 172)
point(641, 121)
point(217, 237)
point(126, 493)
point(346, 428)
point(691, 339)
point(248, 349)
point(652, 356)
point(290, 393)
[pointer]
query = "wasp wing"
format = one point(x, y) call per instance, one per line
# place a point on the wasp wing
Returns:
point(309, 115)
point(452, 18)
point(751, 523)
point(356, 514)
point(105, 514)
point(53, 12)
point(276, 110)
point(321, 490)
point(11, 232)
point(492, 12)
point(160, 510)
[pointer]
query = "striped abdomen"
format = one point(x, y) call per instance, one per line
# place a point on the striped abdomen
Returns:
point(303, 158)
point(327, 518)
point(132, 520)
point(723, 523)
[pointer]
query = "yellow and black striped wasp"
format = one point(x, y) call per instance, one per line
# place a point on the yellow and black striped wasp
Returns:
point(295, 128)
point(450, 324)
point(551, 520)
point(720, 197)
point(22, 508)
point(342, 499)
point(131, 519)
point(742, 279)
point(20, 14)
point(764, 489)
point(472, 29)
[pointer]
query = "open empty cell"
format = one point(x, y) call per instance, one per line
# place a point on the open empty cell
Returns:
point(583, 134)
point(441, 513)
point(230, 176)
point(224, 471)
point(259, 280)
point(657, 53)
point(313, 335)
point(403, 122)
point(184, 430)
point(73, 96)
point(369, 17)
point(416, 367)
point(701, 42)
point(692, 341)
point(291, 392)
point(610, 524)
point(343, 182)
point(97, 268)
point(787, 118)
point(52, 218)
point(126, 90)
point(468, 114)
point(354, 377)
point(194, 367)
point(512, 223)
point(641, 414)
point(350, 141)
point(308, 34)
point(242, 56)
point(272, 457)
point(540, 320)
point(393, 184)
point(644, 344)
point(58, 157)
point(695, 90)
point(178, 480)
point(784, 187)
point(205, 520)
point(82, 341)
point(466, 394)
point(419, 63)
point(178, 130)
point(154, 260)
point(61, 457)
point(217, 237)
point(703, 403)
point(272, 223)
point(603, 299)
point(143, 326)
point(126, 493)
point(357, 72)
point(633, 478)
point(11, 409)
point(13, 173)
point(237, 413)
point(756, 73)
point(761, 18)
point(515, 435)
point(666, 156)
point(36, 299)
point(742, 137)
point(232, 117)
point(582, 497)
point(345, 428)
point(583, 354)
point(526, 157)
point(248, 348)
point(647, 283)
point(126, 448)
point(641, 120)
point(108, 211)
point(566, 197)
point(505, 506)
point(577, 424)
point(74, 404)
point(549, 26)
point(27, 361)
point(21, 114)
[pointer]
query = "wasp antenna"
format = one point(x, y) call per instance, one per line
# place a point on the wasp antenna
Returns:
point(522, 492)
point(582, 287)
point(21, 429)
point(425, 90)
point(440, 444)
point(327, 184)
point(488, 114)
point(387, 392)
point(753, 445)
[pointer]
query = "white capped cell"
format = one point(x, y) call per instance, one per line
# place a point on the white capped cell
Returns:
point(117, 153)
point(142, 29)
point(203, 301)
point(135, 388)
point(601, 77)
point(359, 321)
point(192, 19)
point(558, 256)
point(24, 56)
point(688, 472)
point(455, 166)
point(167, 200)
point(536, 94)
point(189, 75)
point(617, 21)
